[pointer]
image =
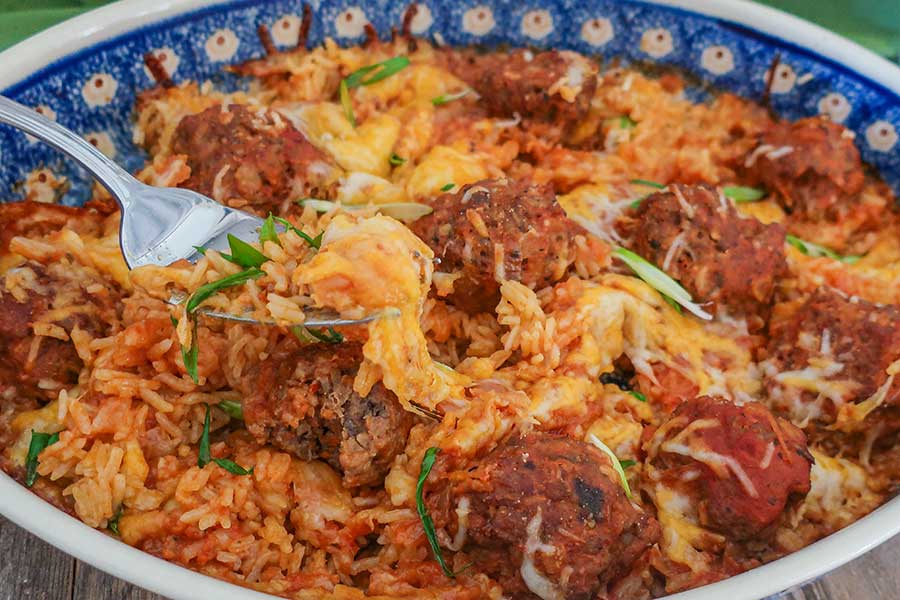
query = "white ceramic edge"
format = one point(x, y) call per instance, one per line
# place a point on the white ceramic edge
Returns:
point(73, 537)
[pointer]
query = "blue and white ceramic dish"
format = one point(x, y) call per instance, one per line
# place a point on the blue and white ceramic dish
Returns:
point(86, 72)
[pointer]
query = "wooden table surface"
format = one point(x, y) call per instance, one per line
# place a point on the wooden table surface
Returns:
point(33, 570)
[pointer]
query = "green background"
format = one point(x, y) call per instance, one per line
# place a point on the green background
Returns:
point(873, 23)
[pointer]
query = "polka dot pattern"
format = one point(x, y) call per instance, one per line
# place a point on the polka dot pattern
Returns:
point(93, 91)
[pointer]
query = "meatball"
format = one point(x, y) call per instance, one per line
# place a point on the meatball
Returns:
point(694, 234)
point(740, 466)
point(302, 400)
point(30, 293)
point(550, 510)
point(254, 159)
point(552, 86)
point(498, 229)
point(832, 354)
point(812, 165)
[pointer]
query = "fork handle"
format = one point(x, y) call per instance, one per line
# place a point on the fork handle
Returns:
point(113, 177)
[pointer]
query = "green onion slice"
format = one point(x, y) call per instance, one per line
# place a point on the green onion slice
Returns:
point(614, 460)
point(641, 397)
point(377, 72)
point(427, 523)
point(403, 211)
point(315, 242)
point(39, 441)
point(204, 457)
point(267, 232)
point(742, 193)
point(445, 98)
point(625, 122)
point(113, 523)
point(312, 336)
point(447, 187)
point(648, 183)
point(245, 255)
point(346, 102)
point(661, 282)
point(817, 251)
point(189, 354)
point(208, 289)
point(396, 160)
point(627, 463)
point(233, 409)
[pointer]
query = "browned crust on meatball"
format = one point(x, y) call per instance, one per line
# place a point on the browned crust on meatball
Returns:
point(521, 82)
point(772, 453)
point(723, 258)
point(597, 533)
point(818, 176)
point(259, 158)
point(59, 288)
point(302, 401)
point(862, 336)
point(519, 220)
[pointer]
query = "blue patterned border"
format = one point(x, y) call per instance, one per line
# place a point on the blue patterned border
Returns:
point(93, 91)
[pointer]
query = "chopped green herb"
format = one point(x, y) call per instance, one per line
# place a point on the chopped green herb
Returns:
point(208, 289)
point(627, 463)
point(637, 202)
point(661, 282)
point(447, 187)
point(445, 98)
point(113, 523)
point(39, 441)
point(427, 523)
point(244, 254)
point(638, 395)
point(200, 249)
point(614, 460)
point(626, 122)
point(204, 457)
point(190, 354)
point(648, 183)
point(377, 72)
point(673, 304)
point(816, 250)
point(329, 337)
point(346, 102)
point(174, 321)
point(233, 409)
point(315, 242)
point(396, 160)
point(267, 232)
point(741, 193)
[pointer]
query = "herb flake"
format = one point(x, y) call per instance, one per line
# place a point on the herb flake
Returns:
point(657, 279)
point(648, 183)
point(190, 354)
point(372, 74)
point(346, 103)
point(206, 290)
point(639, 396)
point(818, 251)
point(445, 98)
point(627, 463)
point(315, 242)
point(616, 464)
point(204, 457)
point(245, 255)
point(427, 524)
point(113, 523)
point(267, 232)
point(233, 409)
point(447, 187)
point(741, 193)
point(39, 441)
point(396, 160)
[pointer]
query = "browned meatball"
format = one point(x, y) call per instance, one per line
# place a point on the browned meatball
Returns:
point(302, 400)
point(842, 346)
point(251, 158)
point(552, 86)
point(694, 234)
point(42, 365)
point(812, 165)
point(517, 221)
point(551, 507)
point(741, 466)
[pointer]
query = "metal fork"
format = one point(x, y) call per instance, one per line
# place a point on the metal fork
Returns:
point(159, 225)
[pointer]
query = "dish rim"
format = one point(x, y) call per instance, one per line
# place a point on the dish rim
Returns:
point(104, 25)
